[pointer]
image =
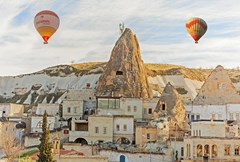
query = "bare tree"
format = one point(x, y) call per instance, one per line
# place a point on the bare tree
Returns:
point(10, 144)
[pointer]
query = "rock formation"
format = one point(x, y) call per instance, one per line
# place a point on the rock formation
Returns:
point(217, 89)
point(170, 115)
point(125, 74)
point(170, 106)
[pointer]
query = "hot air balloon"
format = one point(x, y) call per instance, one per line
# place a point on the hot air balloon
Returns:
point(196, 27)
point(46, 22)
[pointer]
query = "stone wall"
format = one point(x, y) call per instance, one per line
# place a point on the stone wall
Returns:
point(114, 156)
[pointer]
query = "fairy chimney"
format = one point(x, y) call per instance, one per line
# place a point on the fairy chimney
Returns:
point(217, 89)
point(125, 73)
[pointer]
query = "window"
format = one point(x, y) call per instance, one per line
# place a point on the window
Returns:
point(236, 150)
point(196, 132)
point(129, 108)
point(214, 151)
point(104, 130)
point(198, 117)
point(96, 130)
point(199, 133)
point(150, 111)
point(188, 150)
point(237, 116)
point(231, 116)
point(219, 116)
point(75, 109)
point(117, 127)
point(227, 150)
point(119, 73)
point(182, 151)
point(108, 103)
point(193, 132)
point(125, 127)
point(199, 151)
point(213, 116)
point(135, 108)
point(221, 86)
point(192, 117)
point(39, 124)
point(69, 109)
point(206, 150)
point(163, 107)
point(148, 135)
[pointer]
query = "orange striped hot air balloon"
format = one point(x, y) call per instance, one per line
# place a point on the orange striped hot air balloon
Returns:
point(46, 22)
point(196, 27)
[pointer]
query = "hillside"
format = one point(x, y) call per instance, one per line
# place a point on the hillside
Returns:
point(49, 85)
point(199, 74)
point(157, 69)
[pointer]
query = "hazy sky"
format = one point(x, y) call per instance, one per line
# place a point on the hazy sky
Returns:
point(89, 29)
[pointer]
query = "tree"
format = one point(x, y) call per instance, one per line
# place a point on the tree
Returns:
point(45, 146)
point(10, 144)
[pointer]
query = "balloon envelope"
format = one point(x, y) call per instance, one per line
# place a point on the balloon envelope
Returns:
point(46, 22)
point(196, 27)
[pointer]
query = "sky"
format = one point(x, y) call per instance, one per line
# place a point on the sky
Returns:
point(89, 29)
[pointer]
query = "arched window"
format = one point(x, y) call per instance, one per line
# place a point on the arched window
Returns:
point(236, 150)
point(199, 151)
point(39, 124)
point(188, 150)
point(206, 150)
point(214, 150)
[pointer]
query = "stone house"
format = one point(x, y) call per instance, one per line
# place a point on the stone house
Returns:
point(120, 106)
point(87, 95)
point(149, 104)
point(215, 112)
point(145, 134)
point(52, 109)
point(213, 140)
point(132, 106)
point(36, 123)
point(123, 129)
point(121, 156)
point(98, 128)
point(73, 155)
point(10, 109)
point(72, 109)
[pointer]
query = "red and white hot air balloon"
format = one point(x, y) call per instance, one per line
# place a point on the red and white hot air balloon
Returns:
point(196, 27)
point(46, 22)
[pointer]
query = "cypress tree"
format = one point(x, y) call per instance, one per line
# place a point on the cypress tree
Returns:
point(45, 146)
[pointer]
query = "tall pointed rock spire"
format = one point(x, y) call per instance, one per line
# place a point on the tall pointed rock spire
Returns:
point(125, 74)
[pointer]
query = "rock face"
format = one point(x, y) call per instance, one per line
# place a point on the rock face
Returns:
point(217, 89)
point(170, 107)
point(125, 74)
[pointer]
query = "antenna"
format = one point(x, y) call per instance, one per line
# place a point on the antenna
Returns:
point(121, 28)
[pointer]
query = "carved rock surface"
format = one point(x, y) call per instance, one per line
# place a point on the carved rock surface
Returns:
point(170, 106)
point(217, 89)
point(125, 73)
